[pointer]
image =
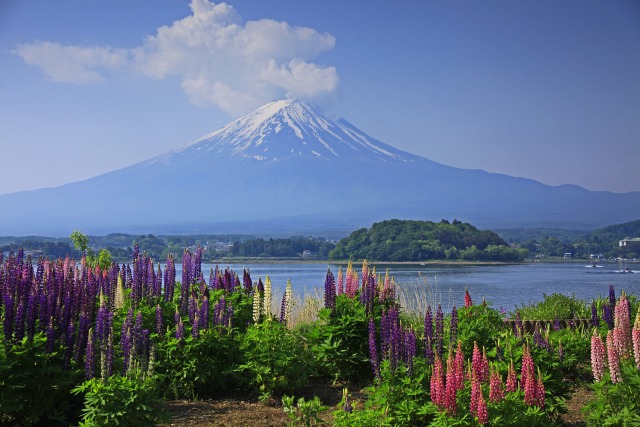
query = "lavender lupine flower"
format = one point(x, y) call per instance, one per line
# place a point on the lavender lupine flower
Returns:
point(453, 328)
point(329, 291)
point(595, 320)
point(428, 337)
point(89, 357)
point(597, 356)
point(373, 349)
point(439, 333)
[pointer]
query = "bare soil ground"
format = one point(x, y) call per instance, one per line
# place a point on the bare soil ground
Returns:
point(252, 413)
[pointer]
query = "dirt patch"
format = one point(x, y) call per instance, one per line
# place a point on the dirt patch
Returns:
point(579, 399)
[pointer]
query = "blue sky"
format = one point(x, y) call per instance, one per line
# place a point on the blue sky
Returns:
point(548, 90)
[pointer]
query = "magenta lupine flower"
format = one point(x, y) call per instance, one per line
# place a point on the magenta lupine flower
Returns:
point(437, 384)
point(373, 349)
point(476, 391)
point(246, 281)
point(496, 388)
point(613, 358)
point(482, 412)
point(467, 298)
point(340, 289)
point(477, 364)
point(459, 367)
point(451, 390)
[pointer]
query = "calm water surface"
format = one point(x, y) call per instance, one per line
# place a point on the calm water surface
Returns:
point(501, 285)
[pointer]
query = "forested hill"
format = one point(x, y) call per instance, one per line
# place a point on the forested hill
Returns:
point(399, 240)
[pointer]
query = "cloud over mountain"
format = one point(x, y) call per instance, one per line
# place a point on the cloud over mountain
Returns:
point(219, 59)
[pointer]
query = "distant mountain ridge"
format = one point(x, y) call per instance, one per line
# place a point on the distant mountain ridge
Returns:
point(289, 167)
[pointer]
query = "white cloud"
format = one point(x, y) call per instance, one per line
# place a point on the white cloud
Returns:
point(220, 60)
point(72, 64)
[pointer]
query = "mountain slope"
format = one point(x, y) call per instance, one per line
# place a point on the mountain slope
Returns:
point(287, 162)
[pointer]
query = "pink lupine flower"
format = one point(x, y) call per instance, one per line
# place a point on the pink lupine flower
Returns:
point(485, 366)
point(528, 370)
point(496, 389)
point(459, 367)
point(340, 281)
point(622, 327)
point(597, 356)
point(476, 362)
point(540, 392)
point(451, 389)
point(483, 413)
point(614, 359)
point(635, 337)
point(531, 390)
point(437, 383)
point(512, 381)
point(467, 298)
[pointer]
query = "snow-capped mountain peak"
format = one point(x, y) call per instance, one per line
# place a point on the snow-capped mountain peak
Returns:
point(287, 129)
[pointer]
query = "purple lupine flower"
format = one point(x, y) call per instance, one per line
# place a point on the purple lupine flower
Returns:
point(329, 291)
point(180, 330)
point(68, 344)
point(204, 313)
point(518, 327)
point(283, 309)
point(136, 333)
point(193, 307)
point(50, 343)
point(159, 320)
point(373, 349)
point(228, 320)
point(453, 329)
point(348, 408)
point(428, 337)
point(607, 315)
point(19, 327)
point(410, 349)
point(32, 306)
point(246, 280)
point(556, 324)
point(612, 296)
point(9, 316)
point(145, 343)
point(83, 333)
point(595, 320)
point(89, 357)
point(439, 332)
point(195, 330)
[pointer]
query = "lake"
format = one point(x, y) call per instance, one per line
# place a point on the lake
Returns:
point(505, 286)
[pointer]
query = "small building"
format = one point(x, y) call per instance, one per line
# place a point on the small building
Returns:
point(567, 255)
point(628, 242)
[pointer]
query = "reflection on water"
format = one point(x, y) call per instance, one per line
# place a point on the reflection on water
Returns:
point(504, 286)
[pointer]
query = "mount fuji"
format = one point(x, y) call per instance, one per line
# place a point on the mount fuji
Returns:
point(289, 167)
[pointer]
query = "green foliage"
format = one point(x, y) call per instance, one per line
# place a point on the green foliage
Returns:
point(276, 361)
point(480, 324)
point(616, 404)
point(198, 368)
point(555, 306)
point(303, 413)
point(34, 387)
point(81, 242)
point(340, 343)
point(397, 240)
point(120, 400)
